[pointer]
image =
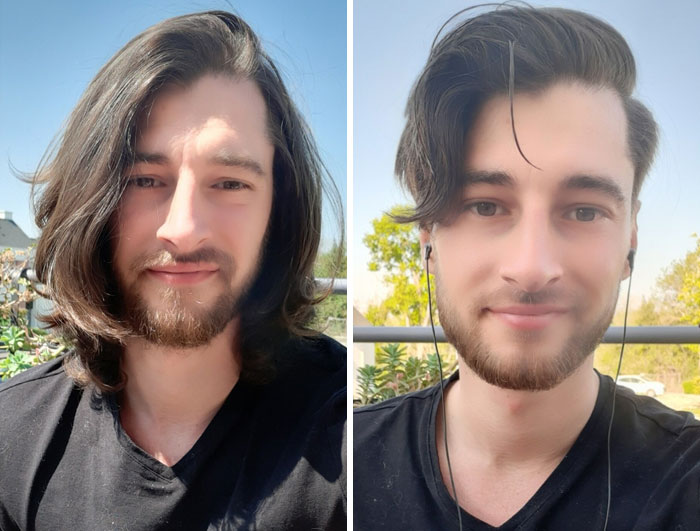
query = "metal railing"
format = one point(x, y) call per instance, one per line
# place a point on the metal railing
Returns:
point(635, 334)
point(340, 285)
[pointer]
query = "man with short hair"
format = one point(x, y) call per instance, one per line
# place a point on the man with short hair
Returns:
point(525, 151)
point(180, 222)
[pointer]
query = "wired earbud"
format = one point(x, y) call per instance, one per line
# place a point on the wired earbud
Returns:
point(630, 260)
point(428, 251)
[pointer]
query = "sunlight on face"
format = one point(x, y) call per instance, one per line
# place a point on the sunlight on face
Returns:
point(190, 227)
point(528, 272)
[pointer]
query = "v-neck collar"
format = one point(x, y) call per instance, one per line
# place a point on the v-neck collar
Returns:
point(231, 412)
point(581, 453)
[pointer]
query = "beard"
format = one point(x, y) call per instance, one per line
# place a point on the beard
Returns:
point(532, 368)
point(181, 319)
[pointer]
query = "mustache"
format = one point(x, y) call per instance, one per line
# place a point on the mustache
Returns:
point(509, 295)
point(166, 258)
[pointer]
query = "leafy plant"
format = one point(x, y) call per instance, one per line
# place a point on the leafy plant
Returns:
point(23, 345)
point(14, 363)
point(14, 339)
point(367, 382)
point(396, 373)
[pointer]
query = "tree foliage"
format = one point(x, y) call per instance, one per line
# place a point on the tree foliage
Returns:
point(395, 251)
point(676, 302)
point(680, 286)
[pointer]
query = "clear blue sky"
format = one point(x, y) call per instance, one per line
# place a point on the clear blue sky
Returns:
point(391, 43)
point(50, 50)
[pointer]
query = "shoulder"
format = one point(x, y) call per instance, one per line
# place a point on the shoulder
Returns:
point(32, 387)
point(318, 362)
point(395, 416)
point(654, 419)
point(660, 447)
point(306, 405)
point(320, 352)
point(311, 376)
point(656, 440)
point(32, 405)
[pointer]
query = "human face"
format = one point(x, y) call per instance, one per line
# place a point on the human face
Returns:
point(529, 270)
point(191, 224)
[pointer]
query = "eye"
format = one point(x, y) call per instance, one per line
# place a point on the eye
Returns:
point(231, 185)
point(141, 181)
point(585, 214)
point(484, 208)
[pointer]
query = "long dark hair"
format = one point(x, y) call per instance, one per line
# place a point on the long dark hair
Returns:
point(521, 49)
point(78, 187)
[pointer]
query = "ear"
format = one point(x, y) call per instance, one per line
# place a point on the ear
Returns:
point(633, 235)
point(424, 236)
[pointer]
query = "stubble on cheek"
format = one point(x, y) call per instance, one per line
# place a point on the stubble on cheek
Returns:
point(179, 317)
point(521, 360)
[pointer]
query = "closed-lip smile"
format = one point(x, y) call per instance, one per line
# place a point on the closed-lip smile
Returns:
point(527, 316)
point(186, 273)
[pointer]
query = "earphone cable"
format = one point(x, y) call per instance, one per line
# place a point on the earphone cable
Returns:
point(442, 396)
point(612, 413)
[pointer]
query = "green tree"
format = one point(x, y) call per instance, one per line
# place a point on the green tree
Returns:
point(676, 302)
point(680, 287)
point(395, 251)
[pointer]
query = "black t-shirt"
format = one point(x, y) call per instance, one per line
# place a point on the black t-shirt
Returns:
point(273, 457)
point(655, 455)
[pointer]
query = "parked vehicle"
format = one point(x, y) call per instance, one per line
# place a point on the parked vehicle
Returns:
point(641, 385)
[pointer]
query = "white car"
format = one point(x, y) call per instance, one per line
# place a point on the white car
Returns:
point(641, 385)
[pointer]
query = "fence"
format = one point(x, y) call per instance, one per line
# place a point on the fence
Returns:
point(635, 334)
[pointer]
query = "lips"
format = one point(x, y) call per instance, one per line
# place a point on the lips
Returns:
point(527, 316)
point(183, 268)
point(183, 274)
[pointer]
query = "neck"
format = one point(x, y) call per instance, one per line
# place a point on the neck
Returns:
point(511, 428)
point(174, 393)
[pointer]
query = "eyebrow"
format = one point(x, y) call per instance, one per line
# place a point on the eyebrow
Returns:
point(495, 178)
point(222, 158)
point(597, 183)
point(601, 184)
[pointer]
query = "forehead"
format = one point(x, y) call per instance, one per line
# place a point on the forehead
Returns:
point(212, 109)
point(567, 129)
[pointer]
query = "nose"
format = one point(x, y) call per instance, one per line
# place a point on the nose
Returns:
point(185, 227)
point(531, 261)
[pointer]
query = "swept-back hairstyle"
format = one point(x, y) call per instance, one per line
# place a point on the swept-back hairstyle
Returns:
point(511, 49)
point(78, 187)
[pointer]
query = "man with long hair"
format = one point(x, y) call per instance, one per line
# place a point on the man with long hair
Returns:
point(525, 152)
point(180, 219)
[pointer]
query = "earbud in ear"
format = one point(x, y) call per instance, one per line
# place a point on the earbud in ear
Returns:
point(428, 250)
point(630, 258)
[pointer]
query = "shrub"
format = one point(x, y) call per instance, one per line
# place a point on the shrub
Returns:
point(23, 345)
point(692, 387)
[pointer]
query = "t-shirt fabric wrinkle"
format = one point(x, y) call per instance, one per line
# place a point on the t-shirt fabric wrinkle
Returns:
point(655, 455)
point(271, 458)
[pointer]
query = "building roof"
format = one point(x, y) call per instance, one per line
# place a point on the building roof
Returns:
point(12, 236)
